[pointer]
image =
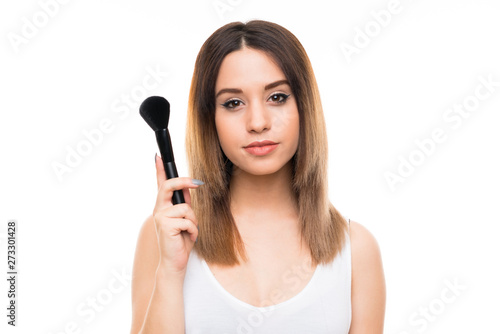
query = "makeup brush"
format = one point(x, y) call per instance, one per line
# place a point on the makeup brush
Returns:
point(156, 111)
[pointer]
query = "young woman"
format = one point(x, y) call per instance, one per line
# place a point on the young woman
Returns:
point(257, 247)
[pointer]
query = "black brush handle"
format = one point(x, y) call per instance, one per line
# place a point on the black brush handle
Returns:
point(178, 196)
point(167, 156)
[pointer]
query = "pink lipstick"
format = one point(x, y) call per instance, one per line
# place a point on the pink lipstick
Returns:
point(261, 148)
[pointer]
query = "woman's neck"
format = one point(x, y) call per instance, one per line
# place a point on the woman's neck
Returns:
point(258, 200)
point(266, 214)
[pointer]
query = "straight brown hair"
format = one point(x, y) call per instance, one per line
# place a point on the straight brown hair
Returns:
point(322, 226)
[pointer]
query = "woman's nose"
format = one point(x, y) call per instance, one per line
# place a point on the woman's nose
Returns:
point(258, 118)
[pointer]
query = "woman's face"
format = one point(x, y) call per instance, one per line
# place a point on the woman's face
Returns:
point(254, 103)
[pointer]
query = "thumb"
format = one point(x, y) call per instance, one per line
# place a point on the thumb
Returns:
point(160, 171)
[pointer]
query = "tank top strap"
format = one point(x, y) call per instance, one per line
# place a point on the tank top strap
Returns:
point(348, 220)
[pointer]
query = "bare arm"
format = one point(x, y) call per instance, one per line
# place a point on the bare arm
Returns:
point(157, 297)
point(163, 247)
point(368, 291)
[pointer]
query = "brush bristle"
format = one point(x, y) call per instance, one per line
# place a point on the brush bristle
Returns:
point(156, 111)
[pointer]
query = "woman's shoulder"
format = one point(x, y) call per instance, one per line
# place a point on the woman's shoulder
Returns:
point(368, 282)
point(362, 240)
point(365, 251)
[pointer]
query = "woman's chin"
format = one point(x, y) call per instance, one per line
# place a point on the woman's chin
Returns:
point(257, 170)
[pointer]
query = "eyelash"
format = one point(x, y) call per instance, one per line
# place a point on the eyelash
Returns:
point(282, 95)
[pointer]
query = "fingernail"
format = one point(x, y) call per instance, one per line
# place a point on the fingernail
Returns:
point(197, 182)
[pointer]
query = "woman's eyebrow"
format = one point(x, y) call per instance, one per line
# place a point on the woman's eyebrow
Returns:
point(229, 90)
point(276, 84)
point(267, 87)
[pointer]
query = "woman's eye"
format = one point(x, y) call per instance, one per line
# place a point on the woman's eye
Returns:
point(231, 104)
point(279, 98)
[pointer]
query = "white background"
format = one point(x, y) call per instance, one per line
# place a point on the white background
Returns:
point(77, 232)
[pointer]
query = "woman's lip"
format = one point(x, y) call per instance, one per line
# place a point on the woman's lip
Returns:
point(261, 150)
point(260, 143)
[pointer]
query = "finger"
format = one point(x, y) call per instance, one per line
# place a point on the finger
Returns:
point(160, 171)
point(187, 196)
point(168, 187)
point(184, 225)
point(182, 210)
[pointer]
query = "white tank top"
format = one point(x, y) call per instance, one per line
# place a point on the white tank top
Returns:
point(323, 306)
